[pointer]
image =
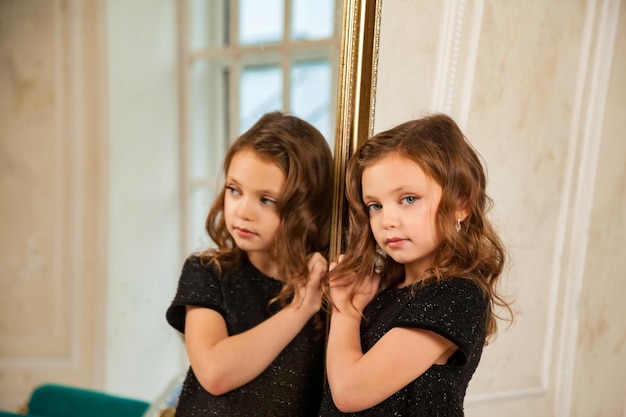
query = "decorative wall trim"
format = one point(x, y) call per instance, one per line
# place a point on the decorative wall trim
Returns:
point(587, 121)
point(563, 217)
point(100, 68)
point(504, 396)
point(445, 85)
point(59, 179)
point(470, 63)
point(66, 179)
point(582, 161)
point(75, 130)
point(452, 20)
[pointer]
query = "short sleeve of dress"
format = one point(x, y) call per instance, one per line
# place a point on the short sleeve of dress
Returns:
point(453, 308)
point(198, 286)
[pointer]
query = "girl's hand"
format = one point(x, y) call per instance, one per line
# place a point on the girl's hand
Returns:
point(309, 296)
point(342, 287)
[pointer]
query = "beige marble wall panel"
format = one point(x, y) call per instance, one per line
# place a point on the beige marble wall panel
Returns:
point(32, 173)
point(408, 45)
point(520, 120)
point(600, 366)
point(51, 271)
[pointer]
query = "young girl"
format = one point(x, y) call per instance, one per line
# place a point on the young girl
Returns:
point(246, 308)
point(414, 295)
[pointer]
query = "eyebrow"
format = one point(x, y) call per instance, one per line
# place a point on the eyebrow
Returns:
point(402, 188)
point(271, 193)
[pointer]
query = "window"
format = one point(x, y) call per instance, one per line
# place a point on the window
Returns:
point(239, 60)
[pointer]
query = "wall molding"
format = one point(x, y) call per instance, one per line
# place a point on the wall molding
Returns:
point(571, 235)
point(470, 63)
point(63, 59)
point(504, 396)
point(452, 20)
point(587, 122)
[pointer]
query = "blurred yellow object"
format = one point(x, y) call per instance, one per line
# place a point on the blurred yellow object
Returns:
point(168, 412)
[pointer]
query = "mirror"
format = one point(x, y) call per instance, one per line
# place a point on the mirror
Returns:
point(239, 60)
point(355, 99)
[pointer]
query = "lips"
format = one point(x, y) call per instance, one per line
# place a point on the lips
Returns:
point(244, 233)
point(394, 242)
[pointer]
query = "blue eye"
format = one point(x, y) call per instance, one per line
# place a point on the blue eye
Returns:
point(408, 199)
point(232, 190)
point(268, 201)
point(374, 206)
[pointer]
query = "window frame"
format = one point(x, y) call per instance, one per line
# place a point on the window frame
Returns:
point(232, 57)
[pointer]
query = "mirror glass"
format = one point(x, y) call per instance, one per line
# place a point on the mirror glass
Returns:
point(240, 60)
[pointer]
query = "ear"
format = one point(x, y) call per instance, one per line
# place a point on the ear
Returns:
point(461, 211)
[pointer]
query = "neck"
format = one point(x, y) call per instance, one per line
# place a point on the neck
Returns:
point(264, 263)
point(412, 275)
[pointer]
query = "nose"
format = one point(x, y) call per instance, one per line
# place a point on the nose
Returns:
point(244, 208)
point(389, 217)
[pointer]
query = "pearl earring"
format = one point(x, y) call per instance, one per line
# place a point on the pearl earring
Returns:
point(458, 224)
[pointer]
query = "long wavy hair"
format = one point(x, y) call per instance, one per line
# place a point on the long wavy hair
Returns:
point(304, 206)
point(438, 146)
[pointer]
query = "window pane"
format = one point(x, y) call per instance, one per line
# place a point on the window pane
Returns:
point(209, 23)
point(260, 21)
point(207, 119)
point(312, 19)
point(310, 94)
point(260, 91)
point(201, 200)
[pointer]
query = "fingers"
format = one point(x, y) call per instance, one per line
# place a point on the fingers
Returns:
point(308, 295)
point(341, 280)
point(316, 274)
point(316, 260)
point(318, 266)
point(334, 264)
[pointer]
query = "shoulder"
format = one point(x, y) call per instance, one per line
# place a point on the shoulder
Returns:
point(452, 290)
point(198, 285)
point(197, 269)
point(455, 308)
point(198, 263)
point(199, 278)
point(449, 303)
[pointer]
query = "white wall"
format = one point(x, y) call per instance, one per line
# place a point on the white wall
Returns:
point(142, 352)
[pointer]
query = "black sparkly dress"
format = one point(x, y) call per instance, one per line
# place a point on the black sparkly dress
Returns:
point(454, 308)
point(291, 386)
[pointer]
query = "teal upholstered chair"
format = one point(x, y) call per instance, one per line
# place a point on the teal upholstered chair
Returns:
point(53, 400)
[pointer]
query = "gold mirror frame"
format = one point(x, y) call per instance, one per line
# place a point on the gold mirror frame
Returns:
point(356, 98)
